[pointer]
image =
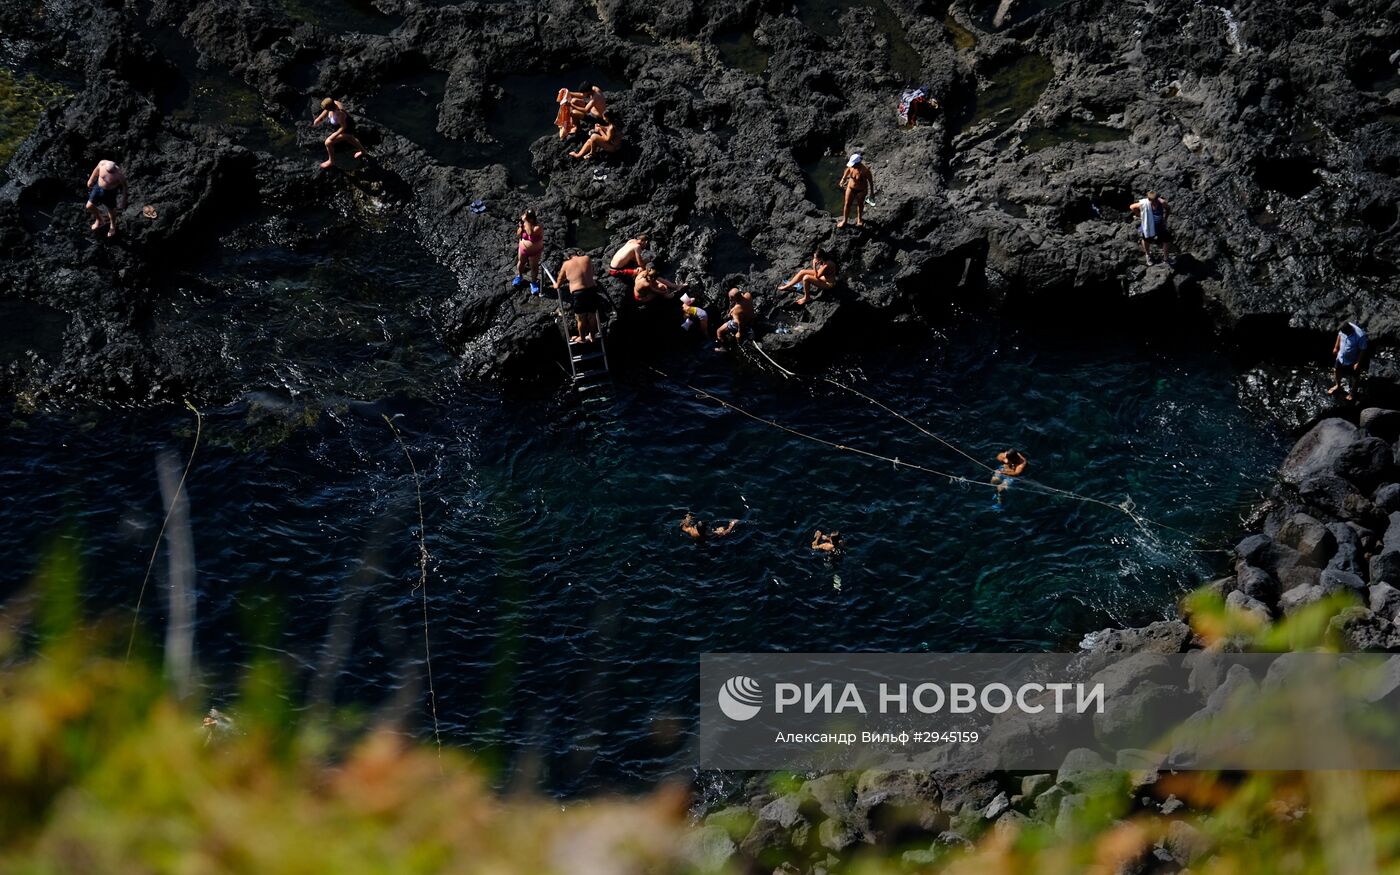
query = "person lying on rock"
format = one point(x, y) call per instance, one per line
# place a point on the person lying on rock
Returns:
point(577, 271)
point(699, 530)
point(828, 543)
point(1013, 465)
point(740, 316)
point(605, 136)
point(1348, 358)
point(1152, 212)
point(106, 194)
point(859, 184)
point(648, 286)
point(333, 111)
point(630, 258)
point(588, 103)
point(821, 275)
point(529, 246)
point(694, 316)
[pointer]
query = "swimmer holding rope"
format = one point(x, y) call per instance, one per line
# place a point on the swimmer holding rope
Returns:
point(1013, 465)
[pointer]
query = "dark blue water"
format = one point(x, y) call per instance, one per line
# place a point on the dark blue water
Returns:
point(566, 610)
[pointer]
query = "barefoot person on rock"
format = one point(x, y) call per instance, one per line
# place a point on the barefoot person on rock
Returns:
point(821, 275)
point(859, 184)
point(740, 316)
point(648, 286)
point(530, 245)
point(1152, 212)
point(1348, 358)
point(577, 271)
point(605, 136)
point(631, 258)
point(106, 195)
point(333, 112)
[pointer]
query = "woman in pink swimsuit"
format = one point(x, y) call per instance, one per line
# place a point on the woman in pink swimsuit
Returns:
point(527, 254)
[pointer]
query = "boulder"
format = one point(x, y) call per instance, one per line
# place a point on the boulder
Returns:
point(1385, 564)
point(1387, 497)
point(1320, 451)
point(1360, 630)
point(1334, 580)
point(1033, 785)
point(1348, 556)
point(1310, 538)
point(1238, 601)
point(707, 849)
point(1300, 597)
point(1083, 770)
point(1256, 584)
point(1338, 498)
point(1163, 636)
point(1383, 600)
point(1381, 423)
point(784, 811)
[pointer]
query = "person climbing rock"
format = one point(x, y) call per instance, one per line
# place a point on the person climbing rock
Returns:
point(828, 543)
point(605, 136)
point(106, 187)
point(629, 259)
point(1348, 358)
point(1013, 465)
point(859, 184)
point(698, 530)
point(648, 286)
point(529, 246)
point(694, 316)
point(1152, 212)
point(821, 275)
point(333, 112)
point(740, 315)
point(577, 271)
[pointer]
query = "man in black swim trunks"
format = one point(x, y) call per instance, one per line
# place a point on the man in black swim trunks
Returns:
point(577, 271)
point(106, 194)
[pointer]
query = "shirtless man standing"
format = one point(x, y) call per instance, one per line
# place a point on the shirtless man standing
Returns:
point(577, 271)
point(740, 315)
point(629, 259)
point(106, 194)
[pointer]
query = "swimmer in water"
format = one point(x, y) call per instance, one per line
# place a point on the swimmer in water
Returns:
point(1013, 465)
point(831, 542)
point(699, 531)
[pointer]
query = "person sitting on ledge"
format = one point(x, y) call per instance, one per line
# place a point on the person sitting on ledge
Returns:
point(698, 530)
point(605, 136)
point(630, 258)
point(588, 103)
point(828, 543)
point(648, 286)
point(821, 275)
point(334, 112)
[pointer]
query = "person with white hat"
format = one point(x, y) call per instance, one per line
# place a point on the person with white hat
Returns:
point(859, 184)
point(694, 315)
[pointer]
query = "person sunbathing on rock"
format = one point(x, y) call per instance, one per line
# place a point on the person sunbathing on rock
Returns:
point(740, 316)
point(106, 194)
point(605, 136)
point(648, 286)
point(699, 530)
point(630, 258)
point(530, 244)
point(821, 275)
point(333, 111)
point(859, 184)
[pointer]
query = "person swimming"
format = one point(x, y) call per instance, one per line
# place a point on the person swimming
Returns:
point(1013, 465)
point(699, 530)
point(831, 542)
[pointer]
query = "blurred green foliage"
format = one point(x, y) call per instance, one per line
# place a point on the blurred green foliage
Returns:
point(22, 99)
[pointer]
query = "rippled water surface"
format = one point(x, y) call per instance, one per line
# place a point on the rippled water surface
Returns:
point(566, 612)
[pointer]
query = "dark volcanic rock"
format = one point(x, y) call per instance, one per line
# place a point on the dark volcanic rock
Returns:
point(1276, 156)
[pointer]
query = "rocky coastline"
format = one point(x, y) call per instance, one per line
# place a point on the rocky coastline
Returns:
point(1273, 144)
